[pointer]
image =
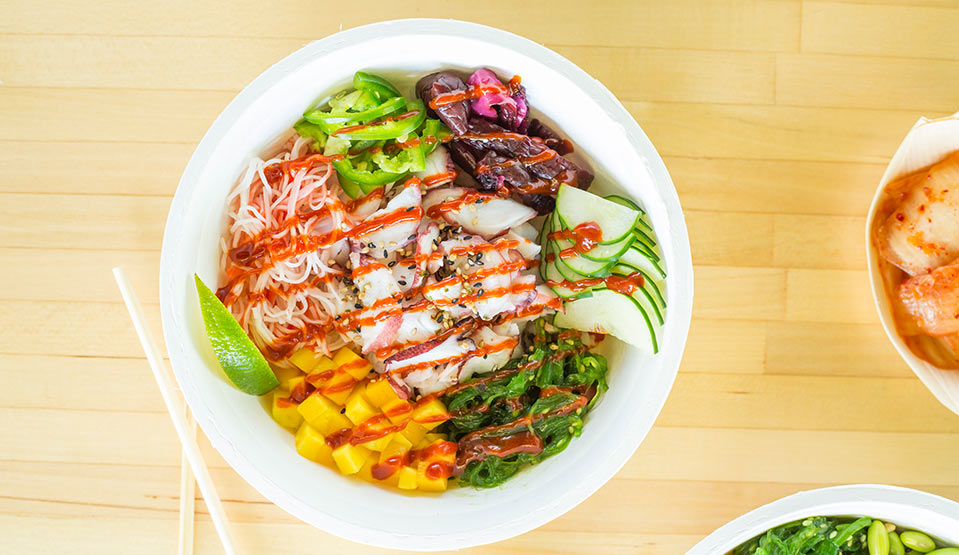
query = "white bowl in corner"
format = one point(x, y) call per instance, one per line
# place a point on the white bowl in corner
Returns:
point(906, 508)
point(260, 451)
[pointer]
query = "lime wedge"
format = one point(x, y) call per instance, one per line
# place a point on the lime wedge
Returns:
point(241, 360)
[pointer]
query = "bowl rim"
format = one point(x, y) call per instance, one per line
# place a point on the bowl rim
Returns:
point(845, 500)
point(680, 307)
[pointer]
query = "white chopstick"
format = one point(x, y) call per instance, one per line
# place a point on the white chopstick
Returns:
point(177, 411)
point(187, 494)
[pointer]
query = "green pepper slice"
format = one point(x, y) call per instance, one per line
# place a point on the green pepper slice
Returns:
point(365, 179)
point(313, 131)
point(331, 121)
point(389, 128)
point(375, 84)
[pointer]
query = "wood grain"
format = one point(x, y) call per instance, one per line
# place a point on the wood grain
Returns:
point(775, 118)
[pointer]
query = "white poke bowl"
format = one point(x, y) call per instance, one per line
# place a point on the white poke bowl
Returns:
point(263, 453)
point(908, 509)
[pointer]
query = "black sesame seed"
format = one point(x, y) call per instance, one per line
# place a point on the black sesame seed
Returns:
point(357, 306)
point(462, 305)
point(411, 267)
point(391, 264)
point(385, 254)
point(468, 237)
point(480, 293)
point(401, 281)
point(371, 245)
point(411, 237)
point(410, 209)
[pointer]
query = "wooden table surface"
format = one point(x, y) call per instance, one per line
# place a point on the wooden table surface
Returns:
point(775, 119)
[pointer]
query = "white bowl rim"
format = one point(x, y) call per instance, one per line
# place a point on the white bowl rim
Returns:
point(680, 307)
point(846, 500)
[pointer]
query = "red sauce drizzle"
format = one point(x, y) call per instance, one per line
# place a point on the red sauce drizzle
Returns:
point(377, 123)
point(584, 237)
point(626, 285)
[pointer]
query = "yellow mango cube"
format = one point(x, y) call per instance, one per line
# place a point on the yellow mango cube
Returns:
point(338, 387)
point(306, 359)
point(298, 387)
point(413, 432)
point(366, 473)
point(284, 374)
point(380, 393)
point(358, 409)
point(398, 410)
point(285, 411)
point(350, 458)
point(379, 444)
point(425, 482)
point(430, 439)
point(398, 447)
point(407, 478)
point(311, 444)
point(430, 414)
point(317, 408)
point(352, 363)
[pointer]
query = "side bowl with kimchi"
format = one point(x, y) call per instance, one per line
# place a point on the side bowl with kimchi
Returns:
point(911, 257)
point(258, 121)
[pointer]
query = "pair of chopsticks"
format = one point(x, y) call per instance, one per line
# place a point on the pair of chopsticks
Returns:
point(185, 430)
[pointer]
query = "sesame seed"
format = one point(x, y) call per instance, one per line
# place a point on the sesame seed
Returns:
point(357, 305)
point(411, 267)
point(402, 282)
point(411, 237)
point(371, 245)
point(391, 264)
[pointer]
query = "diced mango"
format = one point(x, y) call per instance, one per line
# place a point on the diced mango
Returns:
point(427, 483)
point(430, 439)
point(306, 359)
point(413, 432)
point(380, 393)
point(366, 473)
point(358, 409)
point(399, 446)
point(311, 444)
point(284, 374)
point(352, 363)
point(285, 411)
point(339, 387)
point(379, 444)
point(298, 387)
point(398, 410)
point(317, 408)
point(407, 478)
point(350, 458)
point(430, 414)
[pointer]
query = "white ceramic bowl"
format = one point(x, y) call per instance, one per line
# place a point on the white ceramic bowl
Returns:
point(906, 508)
point(926, 143)
point(261, 451)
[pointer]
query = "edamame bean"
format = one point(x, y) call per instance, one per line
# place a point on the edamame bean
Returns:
point(877, 539)
point(945, 551)
point(895, 545)
point(917, 541)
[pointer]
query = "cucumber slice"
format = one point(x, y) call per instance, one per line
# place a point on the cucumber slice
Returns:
point(625, 202)
point(612, 313)
point(600, 253)
point(575, 206)
point(649, 283)
point(642, 294)
point(648, 251)
point(585, 266)
point(644, 237)
point(641, 260)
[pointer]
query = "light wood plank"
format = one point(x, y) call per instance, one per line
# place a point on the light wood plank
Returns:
point(822, 403)
point(881, 30)
point(864, 82)
point(751, 185)
point(819, 242)
point(71, 328)
point(765, 289)
point(840, 296)
point(771, 25)
point(853, 457)
point(776, 132)
point(80, 168)
point(65, 221)
point(725, 346)
point(38, 114)
point(731, 238)
point(831, 349)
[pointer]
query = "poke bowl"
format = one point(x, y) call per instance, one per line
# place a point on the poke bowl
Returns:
point(258, 121)
point(904, 509)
